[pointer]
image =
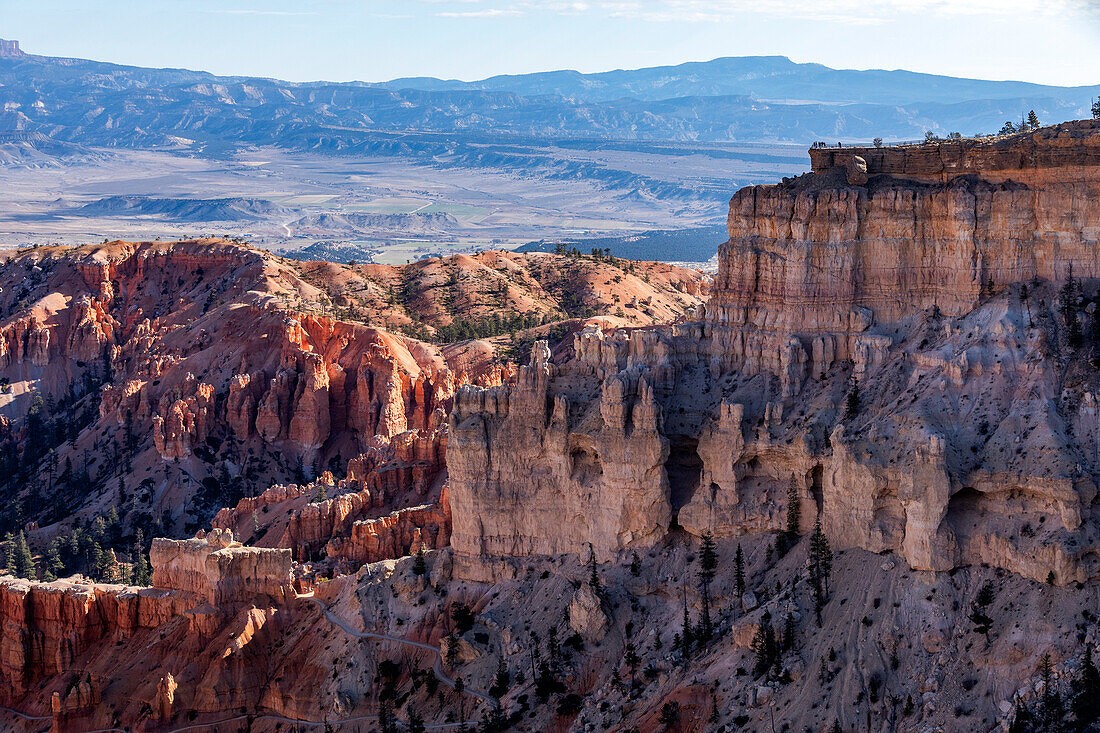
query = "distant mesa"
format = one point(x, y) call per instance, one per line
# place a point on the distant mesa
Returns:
point(226, 209)
point(10, 50)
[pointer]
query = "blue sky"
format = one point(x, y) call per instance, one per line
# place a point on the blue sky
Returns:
point(1048, 41)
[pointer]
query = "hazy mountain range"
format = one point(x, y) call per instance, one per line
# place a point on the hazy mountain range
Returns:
point(729, 99)
point(770, 78)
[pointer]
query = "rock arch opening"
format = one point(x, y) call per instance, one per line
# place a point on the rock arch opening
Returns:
point(966, 509)
point(585, 467)
point(684, 468)
point(814, 480)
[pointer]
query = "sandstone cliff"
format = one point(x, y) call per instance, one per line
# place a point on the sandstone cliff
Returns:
point(213, 370)
point(49, 630)
point(353, 519)
point(972, 441)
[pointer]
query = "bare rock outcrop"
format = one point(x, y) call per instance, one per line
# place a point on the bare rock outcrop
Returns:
point(898, 279)
point(166, 696)
point(352, 517)
point(403, 532)
point(594, 477)
point(220, 570)
point(182, 423)
point(46, 625)
point(586, 614)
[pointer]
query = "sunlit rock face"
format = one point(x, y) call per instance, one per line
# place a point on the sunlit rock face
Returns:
point(929, 277)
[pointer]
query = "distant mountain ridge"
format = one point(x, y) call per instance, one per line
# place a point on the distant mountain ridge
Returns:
point(773, 78)
point(93, 103)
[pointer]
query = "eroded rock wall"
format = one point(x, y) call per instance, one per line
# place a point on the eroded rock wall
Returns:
point(525, 480)
point(399, 471)
point(972, 438)
point(221, 571)
point(45, 626)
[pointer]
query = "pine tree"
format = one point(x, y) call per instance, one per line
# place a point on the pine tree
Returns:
point(1069, 304)
point(24, 560)
point(420, 565)
point(739, 571)
point(99, 562)
point(632, 660)
point(1033, 120)
point(386, 721)
point(794, 508)
point(110, 567)
point(821, 563)
point(594, 575)
point(9, 553)
point(450, 654)
point(765, 647)
point(851, 402)
point(788, 633)
point(687, 638)
point(1026, 303)
point(415, 724)
point(1008, 128)
point(495, 721)
point(142, 574)
point(708, 564)
point(1086, 692)
point(670, 714)
point(981, 620)
point(1096, 109)
point(1050, 702)
point(501, 681)
point(1022, 719)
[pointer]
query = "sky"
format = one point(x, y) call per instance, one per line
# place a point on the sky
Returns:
point(1046, 41)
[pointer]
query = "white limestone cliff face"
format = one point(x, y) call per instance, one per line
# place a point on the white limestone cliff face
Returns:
point(596, 476)
point(975, 438)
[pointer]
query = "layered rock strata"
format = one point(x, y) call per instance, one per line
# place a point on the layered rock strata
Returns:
point(44, 627)
point(971, 440)
point(403, 532)
point(353, 522)
point(216, 568)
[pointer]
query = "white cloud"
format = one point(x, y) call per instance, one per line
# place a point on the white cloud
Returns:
point(261, 12)
point(717, 11)
point(487, 13)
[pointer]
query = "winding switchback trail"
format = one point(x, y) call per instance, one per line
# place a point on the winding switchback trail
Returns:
point(25, 716)
point(437, 663)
